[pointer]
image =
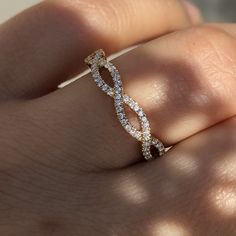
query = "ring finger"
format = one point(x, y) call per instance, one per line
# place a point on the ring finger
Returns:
point(180, 96)
point(41, 47)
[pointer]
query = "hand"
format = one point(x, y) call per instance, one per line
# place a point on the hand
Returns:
point(68, 167)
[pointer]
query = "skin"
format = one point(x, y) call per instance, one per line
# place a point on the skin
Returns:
point(68, 168)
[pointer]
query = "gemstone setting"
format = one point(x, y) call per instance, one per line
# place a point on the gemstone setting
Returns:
point(96, 61)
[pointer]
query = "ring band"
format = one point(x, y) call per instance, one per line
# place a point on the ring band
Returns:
point(98, 60)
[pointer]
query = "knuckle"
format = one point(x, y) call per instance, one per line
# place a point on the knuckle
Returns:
point(98, 12)
point(105, 18)
point(207, 37)
point(212, 54)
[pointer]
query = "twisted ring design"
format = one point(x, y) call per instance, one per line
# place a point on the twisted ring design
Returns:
point(98, 60)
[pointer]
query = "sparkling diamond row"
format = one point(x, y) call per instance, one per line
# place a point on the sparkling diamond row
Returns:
point(98, 60)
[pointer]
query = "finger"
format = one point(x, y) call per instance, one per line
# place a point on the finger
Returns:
point(192, 190)
point(193, 12)
point(185, 82)
point(229, 28)
point(47, 43)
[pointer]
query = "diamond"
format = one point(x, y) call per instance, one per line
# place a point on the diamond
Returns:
point(117, 86)
point(136, 108)
point(126, 98)
point(146, 137)
point(145, 125)
point(93, 58)
point(96, 74)
point(132, 132)
point(146, 145)
point(118, 102)
point(117, 97)
point(140, 113)
point(119, 83)
point(121, 116)
point(100, 83)
point(144, 119)
point(148, 157)
point(119, 109)
point(124, 122)
point(128, 128)
point(110, 92)
point(117, 90)
point(138, 136)
point(132, 105)
point(116, 78)
point(102, 62)
point(105, 87)
point(97, 60)
point(114, 73)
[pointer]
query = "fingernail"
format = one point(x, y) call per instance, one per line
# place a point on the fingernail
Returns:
point(193, 12)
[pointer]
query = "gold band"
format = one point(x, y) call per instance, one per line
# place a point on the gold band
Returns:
point(98, 60)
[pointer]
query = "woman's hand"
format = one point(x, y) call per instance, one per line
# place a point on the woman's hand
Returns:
point(67, 166)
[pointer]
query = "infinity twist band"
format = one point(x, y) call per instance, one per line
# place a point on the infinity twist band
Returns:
point(98, 60)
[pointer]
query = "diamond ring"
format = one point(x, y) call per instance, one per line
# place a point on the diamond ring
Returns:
point(98, 60)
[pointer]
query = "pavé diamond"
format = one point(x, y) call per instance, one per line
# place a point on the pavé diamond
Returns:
point(98, 60)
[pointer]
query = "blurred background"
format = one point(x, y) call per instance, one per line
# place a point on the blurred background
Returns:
point(213, 10)
point(218, 10)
